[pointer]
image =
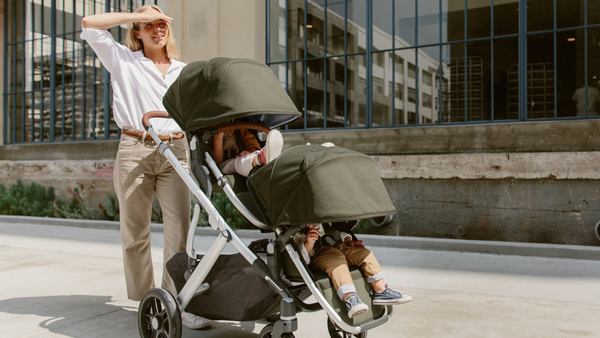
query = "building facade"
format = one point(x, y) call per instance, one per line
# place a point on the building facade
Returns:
point(482, 116)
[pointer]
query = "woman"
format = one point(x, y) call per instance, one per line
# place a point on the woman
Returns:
point(141, 73)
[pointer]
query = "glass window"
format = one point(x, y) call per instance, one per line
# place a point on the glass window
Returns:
point(457, 60)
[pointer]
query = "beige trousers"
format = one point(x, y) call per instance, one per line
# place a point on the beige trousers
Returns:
point(140, 171)
point(335, 262)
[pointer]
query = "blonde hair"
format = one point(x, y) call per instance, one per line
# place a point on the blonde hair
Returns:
point(136, 44)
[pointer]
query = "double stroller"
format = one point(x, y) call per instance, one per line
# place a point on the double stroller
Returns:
point(267, 281)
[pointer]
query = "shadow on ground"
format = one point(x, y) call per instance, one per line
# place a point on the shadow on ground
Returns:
point(87, 316)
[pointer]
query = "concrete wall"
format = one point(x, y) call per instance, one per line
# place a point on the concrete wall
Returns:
point(219, 28)
point(2, 72)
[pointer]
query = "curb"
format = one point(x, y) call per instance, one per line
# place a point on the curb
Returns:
point(402, 242)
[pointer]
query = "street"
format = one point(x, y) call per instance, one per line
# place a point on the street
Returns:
point(58, 281)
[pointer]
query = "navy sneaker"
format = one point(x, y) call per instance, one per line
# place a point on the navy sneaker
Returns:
point(389, 297)
point(355, 306)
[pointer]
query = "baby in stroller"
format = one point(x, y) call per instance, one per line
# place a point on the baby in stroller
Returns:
point(329, 256)
point(237, 152)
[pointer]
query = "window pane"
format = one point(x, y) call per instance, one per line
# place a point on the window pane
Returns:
point(79, 109)
point(58, 114)
point(479, 17)
point(506, 78)
point(100, 125)
point(335, 92)
point(569, 13)
point(357, 89)
point(404, 64)
point(453, 20)
point(59, 16)
point(296, 91)
point(37, 113)
point(295, 43)
point(404, 18)
point(540, 76)
point(277, 30)
point(315, 27)
point(27, 116)
point(454, 94)
point(593, 12)
point(571, 77)
point(429, 84)
point(89, 113)
point(315, 96)
point(540, 15)
point(279, 71)
point(429, 22)
point(68, 112)
point(46, 115)
point(383, 25)
point(506, 18)
point(383, 92)
point(479, 79)
point(114, 130)
point(356, 37)
point(335, 27)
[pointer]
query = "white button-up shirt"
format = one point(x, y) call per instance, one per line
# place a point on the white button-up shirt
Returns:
point(138, 86)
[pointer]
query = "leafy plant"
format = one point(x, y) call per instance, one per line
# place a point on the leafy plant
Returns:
point(229, 213)
point(27, 200)
point(109, 207)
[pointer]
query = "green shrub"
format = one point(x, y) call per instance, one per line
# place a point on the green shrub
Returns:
point(109, 207)
point(27, 200)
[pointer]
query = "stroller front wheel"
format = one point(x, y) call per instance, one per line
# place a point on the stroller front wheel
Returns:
point(267, 332)
point(158, 315)
point(335, 332)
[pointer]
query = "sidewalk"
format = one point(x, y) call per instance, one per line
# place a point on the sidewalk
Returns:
point(67, 281)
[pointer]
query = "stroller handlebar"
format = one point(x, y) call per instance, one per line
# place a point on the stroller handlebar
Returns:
point(151, 114)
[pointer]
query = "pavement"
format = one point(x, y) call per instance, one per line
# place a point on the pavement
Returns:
point(65, 279)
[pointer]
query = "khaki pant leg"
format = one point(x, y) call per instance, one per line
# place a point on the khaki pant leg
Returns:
point(362, 258)
point(175, 200)
point(134, 184)
point(333, 262)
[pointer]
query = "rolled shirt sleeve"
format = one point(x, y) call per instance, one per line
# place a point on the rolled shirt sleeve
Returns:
point(106, 48)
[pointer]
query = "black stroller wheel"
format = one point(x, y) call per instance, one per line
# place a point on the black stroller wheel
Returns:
point(267, 332)
point(335, 332)
point(158, 315)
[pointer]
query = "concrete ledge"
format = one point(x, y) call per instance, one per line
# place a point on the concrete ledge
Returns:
point(456, 245)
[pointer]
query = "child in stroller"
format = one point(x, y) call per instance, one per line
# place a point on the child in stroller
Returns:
point(334, 258)
point(237, 152)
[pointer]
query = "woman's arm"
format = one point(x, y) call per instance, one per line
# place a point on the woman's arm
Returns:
point(108, 20)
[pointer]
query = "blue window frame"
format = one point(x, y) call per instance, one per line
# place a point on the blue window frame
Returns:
point(55, 89)
point(479, 62)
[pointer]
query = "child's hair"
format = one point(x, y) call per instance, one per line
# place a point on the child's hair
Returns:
point(136, 44)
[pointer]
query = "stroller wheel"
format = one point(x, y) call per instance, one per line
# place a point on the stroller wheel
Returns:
point(335, 332)
point(267, 332)
point(158, 315)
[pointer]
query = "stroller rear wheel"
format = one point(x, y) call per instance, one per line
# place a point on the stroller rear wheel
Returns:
point(335, 332)
point(158, 315)
point(267, 332)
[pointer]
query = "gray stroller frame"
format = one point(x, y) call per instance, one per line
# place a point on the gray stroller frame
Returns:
point(160, 313)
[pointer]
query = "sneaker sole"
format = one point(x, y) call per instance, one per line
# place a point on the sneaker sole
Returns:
point(402, 300)
point(357, 312)
point(275, 144)
point(197, 326)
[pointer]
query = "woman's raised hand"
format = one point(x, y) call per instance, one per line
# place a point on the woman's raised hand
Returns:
point(151, 15)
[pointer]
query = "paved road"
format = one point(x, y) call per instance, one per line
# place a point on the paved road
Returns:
point(58, 281)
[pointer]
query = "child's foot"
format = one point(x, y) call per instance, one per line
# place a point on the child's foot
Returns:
point(389, 297)
point(272, 148)
point(355, 306)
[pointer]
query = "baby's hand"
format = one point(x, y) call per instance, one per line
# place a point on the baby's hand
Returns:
point(312, 236)
point(356, 244)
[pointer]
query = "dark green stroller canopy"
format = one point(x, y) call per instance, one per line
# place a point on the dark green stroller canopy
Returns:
point(305, 184)
point(313, 184)
point(222, 89)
